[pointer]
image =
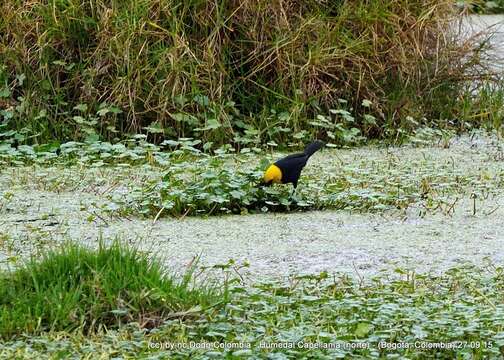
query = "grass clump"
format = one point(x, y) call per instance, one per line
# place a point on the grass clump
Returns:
point(224, 70)
point(76, 288)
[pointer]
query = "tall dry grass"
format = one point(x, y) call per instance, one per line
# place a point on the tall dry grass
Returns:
point(226, 67)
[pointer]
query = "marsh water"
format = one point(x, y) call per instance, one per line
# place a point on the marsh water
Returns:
point(493, 27)
point(37, 217)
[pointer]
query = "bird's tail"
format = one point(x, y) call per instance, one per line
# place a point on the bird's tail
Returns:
point(313, 147)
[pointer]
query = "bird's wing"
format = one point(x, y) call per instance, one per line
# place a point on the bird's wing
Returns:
point(293, 160)
point(291, 167)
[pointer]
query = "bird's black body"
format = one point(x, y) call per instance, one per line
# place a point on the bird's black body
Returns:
point(291, 166)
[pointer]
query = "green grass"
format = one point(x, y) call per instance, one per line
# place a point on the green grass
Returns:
point(75, 288)
point(485, 109)
point(463, 307)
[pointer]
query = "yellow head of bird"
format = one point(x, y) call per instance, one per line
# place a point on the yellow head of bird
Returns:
point(273, 174)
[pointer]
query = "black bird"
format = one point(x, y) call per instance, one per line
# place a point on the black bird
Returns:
point(288, 169)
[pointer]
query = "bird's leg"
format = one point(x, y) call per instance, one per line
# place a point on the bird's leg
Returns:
point(293, 193)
